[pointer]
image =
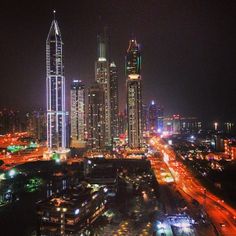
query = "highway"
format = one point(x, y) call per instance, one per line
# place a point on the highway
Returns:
point(220, 213)
point(13, 159)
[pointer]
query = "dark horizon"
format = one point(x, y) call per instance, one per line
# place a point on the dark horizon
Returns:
point(188, 51)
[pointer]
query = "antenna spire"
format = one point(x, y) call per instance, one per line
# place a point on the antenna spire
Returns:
point(54, 14)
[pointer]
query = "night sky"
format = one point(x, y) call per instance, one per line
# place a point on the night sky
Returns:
point(188, 50)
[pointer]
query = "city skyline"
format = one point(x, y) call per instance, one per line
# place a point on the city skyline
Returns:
point(134, 138)
point(194, 60)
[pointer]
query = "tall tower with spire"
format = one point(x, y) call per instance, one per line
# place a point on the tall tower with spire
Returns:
point(134, 94)
point(102, 77)
point(55, 85)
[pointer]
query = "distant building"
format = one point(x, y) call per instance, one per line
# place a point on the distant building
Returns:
point(152, 117)
point(102, 77)
point(36, 124)
point(96, 117)
point(160, 119)
point(10, 121)
point(219, 143)
point(134, 95)
point(114, 98)
point(176, 124)
point(230, 148)
point(168, 125)
point(77, 114)
point(181, 125)
point(144, 119)
point(229, 127)
point(190, 125)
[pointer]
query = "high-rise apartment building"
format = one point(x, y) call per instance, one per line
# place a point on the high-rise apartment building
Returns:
point(77, 114)
point(134, 95)
point(102, 77)
point(114, 101)
point(96, 117)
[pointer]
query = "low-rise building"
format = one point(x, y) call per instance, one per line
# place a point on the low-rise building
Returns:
point(71, 211)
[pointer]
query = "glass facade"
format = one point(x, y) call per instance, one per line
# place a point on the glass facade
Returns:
point(77, 111)
point(55, 81)
point(134, 95)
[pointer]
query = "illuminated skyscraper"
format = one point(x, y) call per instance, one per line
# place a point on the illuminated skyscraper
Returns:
point(160, 119)
point(152, 117)
point(96, 117)
point(114, 101)
point(77, 96)
point(102, 78)
point(55, 81)
point(134, 95)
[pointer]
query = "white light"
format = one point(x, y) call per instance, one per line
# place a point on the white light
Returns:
point(161, 225)
point(12, 173)
point(76, 211)
point(105, 190)
point(102, 59)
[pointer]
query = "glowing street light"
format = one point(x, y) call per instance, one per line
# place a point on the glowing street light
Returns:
point(216, 126)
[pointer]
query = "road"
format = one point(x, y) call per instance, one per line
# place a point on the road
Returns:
point(220, 213)
point(14, 160)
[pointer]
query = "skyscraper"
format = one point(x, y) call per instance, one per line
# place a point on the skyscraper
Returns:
point(114, 101)
point(77, 121)
point(134, 95)
point(55, 83)
point(152, 117)
point(96, 117)
point(160, 119)
point(102, 78)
